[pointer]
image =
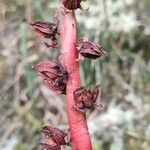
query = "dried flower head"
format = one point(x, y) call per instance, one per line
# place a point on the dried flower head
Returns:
point(85, 99)
point(54, 75)
point(89, 49)
point(71, 4)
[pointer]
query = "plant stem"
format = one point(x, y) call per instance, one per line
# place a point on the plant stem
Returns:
point(78, 127)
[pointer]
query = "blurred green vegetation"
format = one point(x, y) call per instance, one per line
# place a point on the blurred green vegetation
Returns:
point(122, 27)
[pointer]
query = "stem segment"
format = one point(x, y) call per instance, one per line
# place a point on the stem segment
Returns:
point(78, 127)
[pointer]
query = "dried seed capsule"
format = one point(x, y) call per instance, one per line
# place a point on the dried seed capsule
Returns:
point(90, 50)
point(85, 99)
point(46, 29)
point(54, 74)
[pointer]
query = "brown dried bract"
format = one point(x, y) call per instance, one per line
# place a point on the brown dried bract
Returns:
point(89, 49)
point(85, 99)
point(54, 74)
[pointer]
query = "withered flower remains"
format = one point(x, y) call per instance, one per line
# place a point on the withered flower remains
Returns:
point(52, 138)
point(89, 49)
point(54, 74)
point(71, 4)
point(47, 30)
point(57, 135)
point(85, 99)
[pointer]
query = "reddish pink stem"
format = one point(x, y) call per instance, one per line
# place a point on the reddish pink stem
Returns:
point(78, 127)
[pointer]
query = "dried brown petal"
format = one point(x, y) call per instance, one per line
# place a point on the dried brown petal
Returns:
point(71, 4)
point(57, 135)
point(46, 29)
point(90, 50)
point(85, 99)
point(54, 75)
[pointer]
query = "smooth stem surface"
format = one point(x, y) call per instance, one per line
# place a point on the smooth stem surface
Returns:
point(77, 122)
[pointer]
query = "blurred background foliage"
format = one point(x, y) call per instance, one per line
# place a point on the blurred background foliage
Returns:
point(123, 29)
